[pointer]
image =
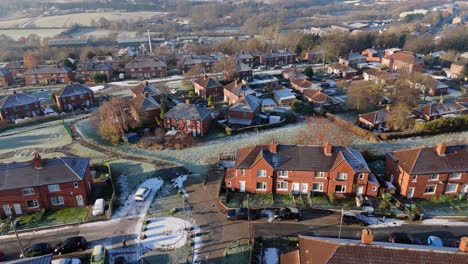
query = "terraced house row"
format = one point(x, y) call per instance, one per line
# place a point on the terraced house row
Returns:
point(414, 173)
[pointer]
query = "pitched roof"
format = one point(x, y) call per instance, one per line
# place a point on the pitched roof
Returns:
point(278, 53)
point(426, 160)
point(293, 73)
point(242, 55)
point(15, 100)
point(48, 69)
point(318, 97)
point(144, 103)
point(14, 65)
point(197, 59)
point(207, 82)
point(301, 83)
point(435, 109)
point(145, 87)
point(144, 62)
point(406, 57)
point(301, 157)
point(342, 67)
point(4, 72)
point(354, 56)
point(54, 171)
point(93, 66)
point(241, 67)
point(248, 104)
point(188, 112)
point(321, 250)
point(238, 88)
point(376, 117)
point(73, 90)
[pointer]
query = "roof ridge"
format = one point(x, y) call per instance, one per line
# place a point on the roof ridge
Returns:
point(416, 159)
point(68, 166)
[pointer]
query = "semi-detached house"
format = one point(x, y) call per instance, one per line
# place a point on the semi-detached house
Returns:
point(281, 169)
point(37, 184)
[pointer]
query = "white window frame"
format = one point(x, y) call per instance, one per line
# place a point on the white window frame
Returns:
point(261, 173)
point(361, 176)
point(433, 192)
point(414, 178)
point(431, 175)
point(229, 184)
point(343, 189)
point(339, 178)
point(35, 202)
point(242, 172)
point(281, 183)
point(320, 185)
point(59, 200)
point(27, 191)
point(75, 185)
point(451, 183)
point(374, 189)
point(458, 176)
point(319, 174)
point(53, 188)
point(283, 173)
point(264, 186)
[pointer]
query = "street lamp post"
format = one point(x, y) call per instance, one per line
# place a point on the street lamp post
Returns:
point(341, 223)
point(248, 219)
point(13, 224)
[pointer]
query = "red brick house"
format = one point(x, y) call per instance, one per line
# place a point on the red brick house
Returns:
point(235, 90)
point(206, 86)
point(321, 100)
point(203, 61)
point(433, 111)
point(293, 73)
point(15, 67)
point(404, 61)
point(74, 96)
point(374, 120)
point(244, 57)
point(241, 72)
point(6, 78)
point(51, 184)
point(189, 119)
point(244, 110)
point(115, 61)
point(456, 68)
point(85, 71)
point(48, 74)
point(379, 77)
point(344, 71)
point(373, 54)
point(428, 172)
point(278, 57)
point(145, 104)
point(328, 250)
point(302, 85)
point(19, 106)
point(145, 67)
point(352, 59)
point(282, 169)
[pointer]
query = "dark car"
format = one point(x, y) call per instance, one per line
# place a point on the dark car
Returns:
point(277, 67)
point(71, 244)
point(120, 260)
point(354, 219)
point(403, 238)
point(2, 256)
point(38, 249)
point(241, 213)
point(289, 213)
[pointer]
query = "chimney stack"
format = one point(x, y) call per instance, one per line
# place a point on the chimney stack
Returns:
point(37, 161)
point(441, 147)
point(146, 83)
point(205, 76)
point(187, 101)
point(328, 149)
point(367, 236)
point(464, 244)
point(273, 146)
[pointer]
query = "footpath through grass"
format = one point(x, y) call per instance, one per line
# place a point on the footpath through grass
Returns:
point(50, 218)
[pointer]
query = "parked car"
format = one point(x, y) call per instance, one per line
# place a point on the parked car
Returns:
point(66, 261)
point(277, 67)
point(434, 241)
point(288, 213)
point(120, 260)
point(99, 255)
point(98, 207)
point(70, 244)
point(142, 193)
point(241, 213)
point(38, 249)
point(353, 218)
point(2, 256)
point(403, 238)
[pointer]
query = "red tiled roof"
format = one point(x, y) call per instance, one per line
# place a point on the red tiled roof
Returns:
point(406, 57)
point(302, 83)
point(207, 82)
point(376, 117)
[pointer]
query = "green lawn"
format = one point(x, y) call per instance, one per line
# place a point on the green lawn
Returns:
point(446, 206)
point(237, 253)
point(256, 200)
point(49, 218)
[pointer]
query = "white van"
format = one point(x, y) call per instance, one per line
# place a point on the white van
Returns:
point(142, 193)
point(98, 208)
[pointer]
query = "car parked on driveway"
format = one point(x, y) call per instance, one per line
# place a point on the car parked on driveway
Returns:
point(288, 213)
point(99, 255)
point(241, 213)
point(353, 219)
point(142, 193)
point(38, 249)
point(403, 238)
point(70, 244)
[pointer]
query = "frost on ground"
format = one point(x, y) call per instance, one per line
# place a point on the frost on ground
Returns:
point(197, 244)
point(165, 233)
point(122, 184)
point(375, 222)
point(269, 214)
point(132, 207)
point(444, 222)
point(179, 182)
point(271, 256)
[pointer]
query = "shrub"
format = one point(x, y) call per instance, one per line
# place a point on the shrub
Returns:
point(332, 198)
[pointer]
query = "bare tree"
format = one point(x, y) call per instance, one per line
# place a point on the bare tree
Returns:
point(400, 118)
point(320, 131)
point(115, 119)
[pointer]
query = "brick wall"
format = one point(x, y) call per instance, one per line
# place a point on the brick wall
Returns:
point(201, 127)
point(149, 72)
point(28, 110)
point(32, 79)
point(76, 101)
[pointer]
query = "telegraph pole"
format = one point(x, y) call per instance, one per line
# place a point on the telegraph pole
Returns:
point(13, 224)
point(341, 223)
point(248, 219)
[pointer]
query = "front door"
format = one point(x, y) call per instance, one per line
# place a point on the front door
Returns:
point(7, 210)
point(410, 193)
point(304, 188)
point(17, 209)
point(295, 187)
point(360, 190)
point(242, 186)
point(79, 200)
